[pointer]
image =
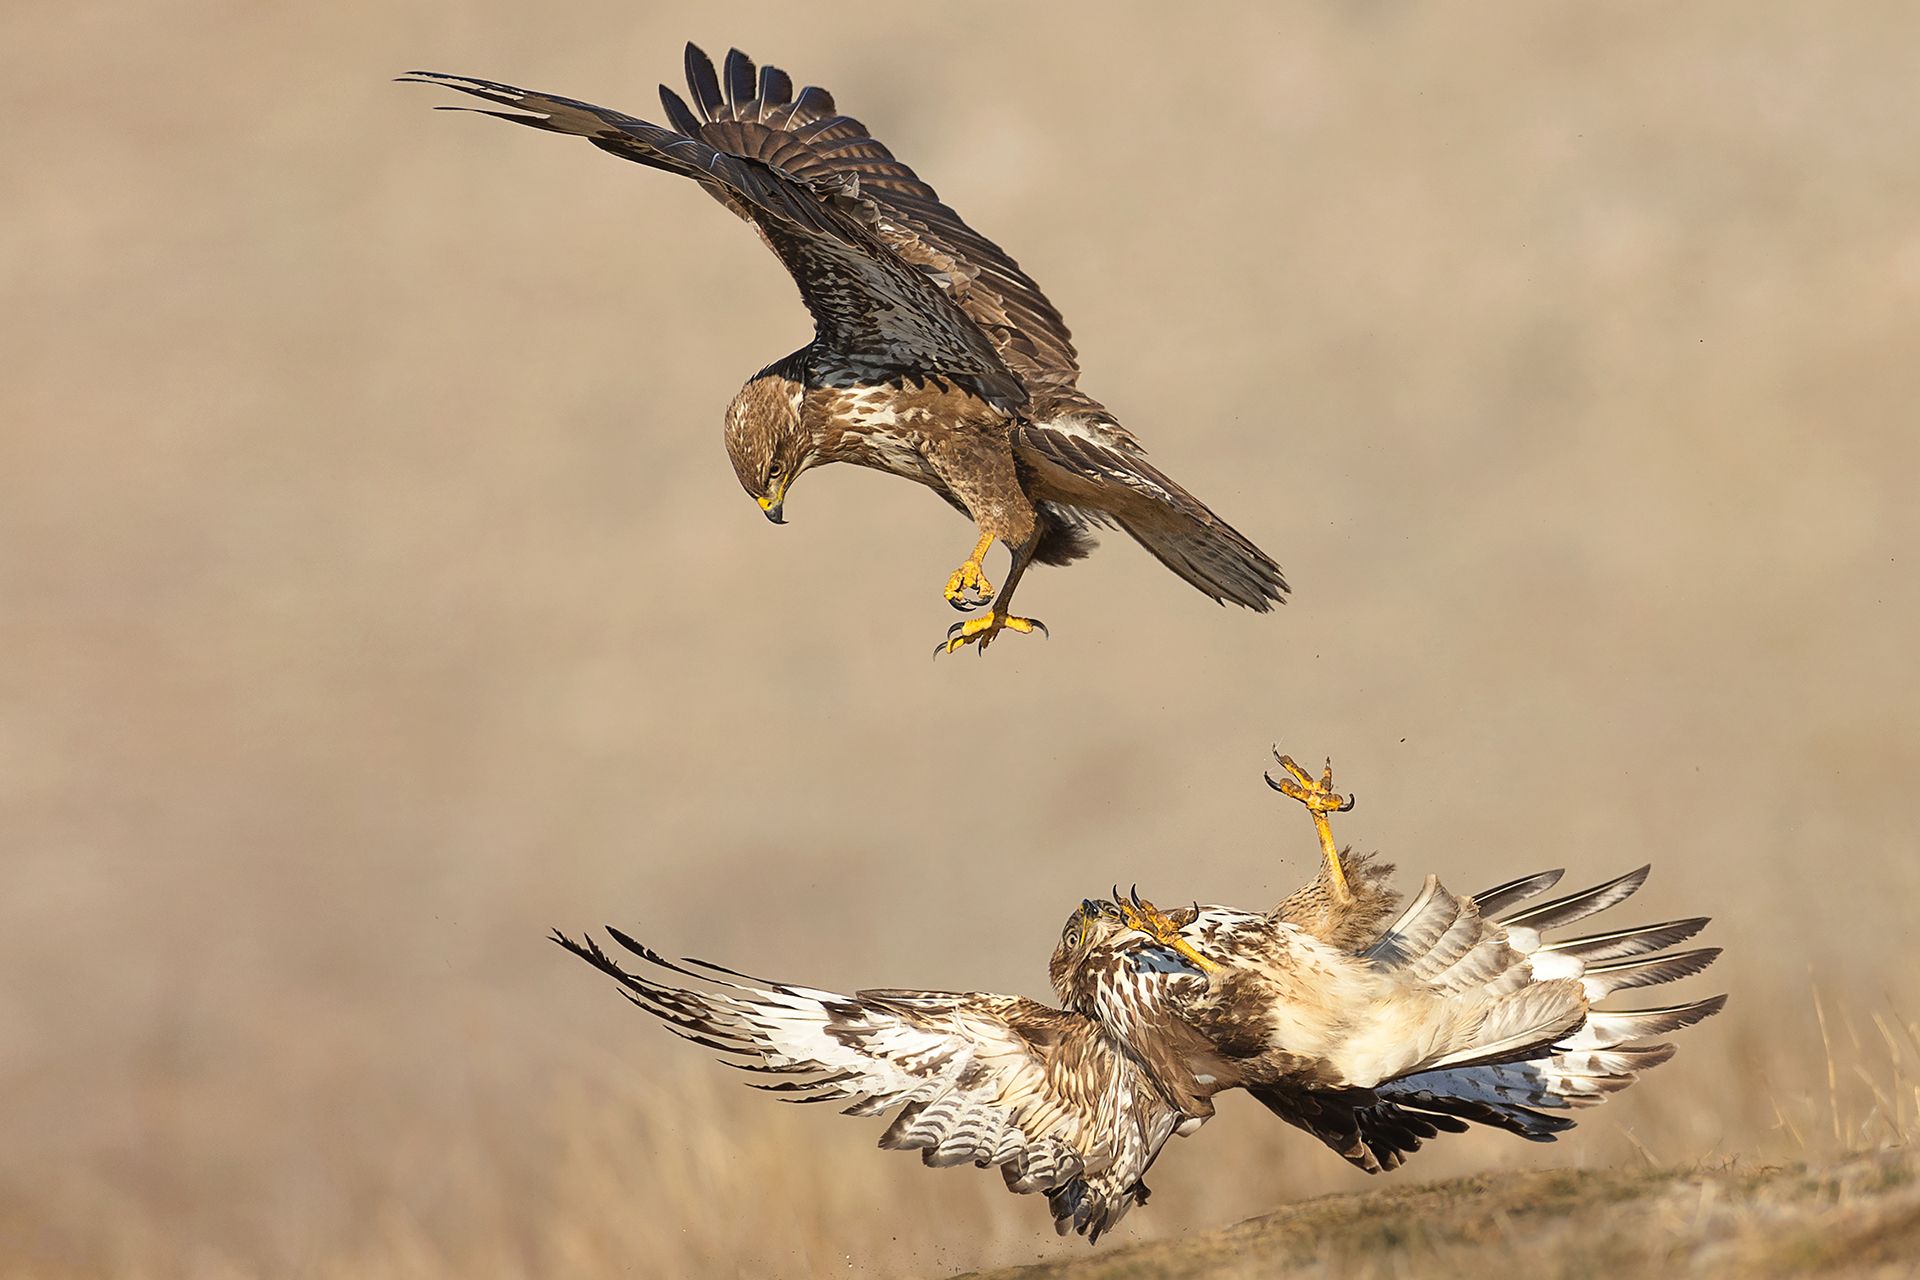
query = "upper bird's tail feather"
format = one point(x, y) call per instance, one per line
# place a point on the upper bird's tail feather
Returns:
point(1215, 557)
point(1088, 461)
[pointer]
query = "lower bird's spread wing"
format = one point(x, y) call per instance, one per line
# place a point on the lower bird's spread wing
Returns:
point(894, 280)
point(982, 1079)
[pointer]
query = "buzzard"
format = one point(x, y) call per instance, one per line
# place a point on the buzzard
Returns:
point(934, 356)
point(1370, 1026)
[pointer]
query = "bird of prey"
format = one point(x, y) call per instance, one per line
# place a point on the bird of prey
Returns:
point(1370, 1026)
point(934, 356)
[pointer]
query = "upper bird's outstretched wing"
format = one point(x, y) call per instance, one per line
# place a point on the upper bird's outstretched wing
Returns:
point(892, 276)
point(990, 1080)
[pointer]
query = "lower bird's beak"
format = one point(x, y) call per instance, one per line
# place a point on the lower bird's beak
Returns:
point(772, 507)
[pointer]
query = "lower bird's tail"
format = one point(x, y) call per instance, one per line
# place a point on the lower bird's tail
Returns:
point(1520, 1062)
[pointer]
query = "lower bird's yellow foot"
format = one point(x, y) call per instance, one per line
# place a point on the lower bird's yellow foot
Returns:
point(981, 631)
point(969, 577)
point(1315, 793)
point(1321, 799)
point(1140, 915)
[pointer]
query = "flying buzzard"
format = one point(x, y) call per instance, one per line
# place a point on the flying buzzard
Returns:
point(934, 356)
point(1368, 1026)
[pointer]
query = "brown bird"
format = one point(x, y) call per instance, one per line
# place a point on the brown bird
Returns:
point(934, 356)
point(1369, 1026)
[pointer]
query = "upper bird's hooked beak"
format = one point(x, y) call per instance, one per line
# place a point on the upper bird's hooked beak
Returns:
point(772, 507)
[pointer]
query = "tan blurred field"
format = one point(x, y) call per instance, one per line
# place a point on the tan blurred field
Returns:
point(374, 593)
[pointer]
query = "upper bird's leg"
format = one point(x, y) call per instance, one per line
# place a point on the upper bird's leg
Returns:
point(1142, 916)
point(969, 577)
point(1321, 799)
point(981, 631)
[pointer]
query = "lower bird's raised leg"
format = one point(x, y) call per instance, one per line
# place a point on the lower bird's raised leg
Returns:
point(1142, 916)
point(981, 631)
point(1321, 799)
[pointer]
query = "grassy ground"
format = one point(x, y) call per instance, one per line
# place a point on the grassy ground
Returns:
point(1860, 1217)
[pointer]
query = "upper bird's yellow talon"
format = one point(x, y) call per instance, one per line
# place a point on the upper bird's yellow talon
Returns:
point(981, 631)
point(1139, 914)
point(970, 577)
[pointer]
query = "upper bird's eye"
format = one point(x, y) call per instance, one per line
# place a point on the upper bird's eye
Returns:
point(773, 471)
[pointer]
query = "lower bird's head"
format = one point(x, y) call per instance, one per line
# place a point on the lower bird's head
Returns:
point(767, 440)
point(1093, 922)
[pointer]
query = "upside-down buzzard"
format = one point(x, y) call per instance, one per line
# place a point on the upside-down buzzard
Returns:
point(1368, 1026)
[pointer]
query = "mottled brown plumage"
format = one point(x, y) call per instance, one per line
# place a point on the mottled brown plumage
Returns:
point(935, 357)
point(1369, 1026)
point(1349, 920)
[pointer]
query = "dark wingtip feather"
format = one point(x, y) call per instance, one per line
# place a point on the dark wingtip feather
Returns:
point(640, 949)
point(776, 87)
point(702, 83)
point(741, 75)
point(555, 936)
point(648, 954)
point(679, 115)
point(816, 102)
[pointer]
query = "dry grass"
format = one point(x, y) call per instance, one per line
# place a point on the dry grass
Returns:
point(374, 594)
point(616, 1172)
point(1860, 1217)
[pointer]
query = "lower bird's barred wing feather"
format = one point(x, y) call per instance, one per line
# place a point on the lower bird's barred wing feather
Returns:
point(989, 1080)
point(894, 278)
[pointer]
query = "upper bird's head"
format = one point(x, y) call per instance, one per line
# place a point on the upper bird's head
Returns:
point(766, 440)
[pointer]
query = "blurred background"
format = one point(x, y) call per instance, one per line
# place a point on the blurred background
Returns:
point(375, 593)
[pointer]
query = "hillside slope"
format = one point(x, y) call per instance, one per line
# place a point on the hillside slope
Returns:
point(1858, 1218)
